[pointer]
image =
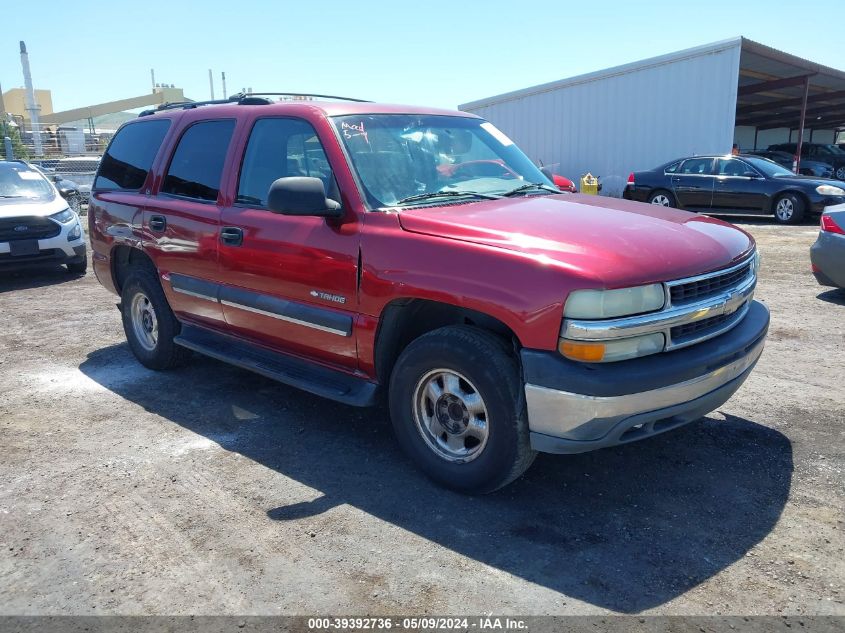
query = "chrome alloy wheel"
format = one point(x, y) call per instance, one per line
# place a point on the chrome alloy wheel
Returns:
point(451, 415)
point(784, 209)
point(660, 199)
point(144, 321)
point(840, 173)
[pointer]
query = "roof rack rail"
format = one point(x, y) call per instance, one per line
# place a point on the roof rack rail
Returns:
point(243, 98)
point(303, 94)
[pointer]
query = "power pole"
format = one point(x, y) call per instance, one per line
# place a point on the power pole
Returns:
point(211, 83)
point(31, 105)
point(223, 75)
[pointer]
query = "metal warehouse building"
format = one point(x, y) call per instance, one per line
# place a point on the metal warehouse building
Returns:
point(696, 101)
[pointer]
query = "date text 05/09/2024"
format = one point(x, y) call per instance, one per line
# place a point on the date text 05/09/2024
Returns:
point(482, 623)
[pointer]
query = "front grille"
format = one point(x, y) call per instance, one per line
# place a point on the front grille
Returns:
point(27, 228)
point(708, 286)
point(690, 329)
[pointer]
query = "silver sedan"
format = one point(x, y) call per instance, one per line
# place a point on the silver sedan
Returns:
point(828, 253)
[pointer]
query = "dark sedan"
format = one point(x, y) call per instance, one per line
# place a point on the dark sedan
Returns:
point(824, 152)
point(808, 167)
point(68, 189)
point(828, 253)
point(747, 185)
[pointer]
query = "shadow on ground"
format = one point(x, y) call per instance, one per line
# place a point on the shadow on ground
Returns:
point(35, 277)
point(625, 529)
point(835, 296)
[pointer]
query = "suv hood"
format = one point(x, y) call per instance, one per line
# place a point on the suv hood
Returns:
point(612, 242)
point(17, 207)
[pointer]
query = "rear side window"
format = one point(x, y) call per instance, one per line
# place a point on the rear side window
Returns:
point(280, 148)
point(130, 155)
point(197, 163)
point(697, 166)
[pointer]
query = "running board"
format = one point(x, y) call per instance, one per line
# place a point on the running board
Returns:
point(289, 370)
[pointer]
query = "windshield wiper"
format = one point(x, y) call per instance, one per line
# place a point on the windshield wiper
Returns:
point(2, 196)
point(530, 185)
point(446, 194)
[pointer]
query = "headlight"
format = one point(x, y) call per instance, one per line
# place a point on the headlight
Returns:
point(606, 304)
point(609, 351)
point(63, 217)
point(75, 233)
point(830, 190)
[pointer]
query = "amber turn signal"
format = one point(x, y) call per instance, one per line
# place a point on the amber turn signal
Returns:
point(588, 352)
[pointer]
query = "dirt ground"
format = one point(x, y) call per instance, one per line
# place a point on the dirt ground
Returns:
point(211, 490)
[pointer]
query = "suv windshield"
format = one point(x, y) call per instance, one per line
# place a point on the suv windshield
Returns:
point(768, 167)
point(18, 180)
point(409, 159)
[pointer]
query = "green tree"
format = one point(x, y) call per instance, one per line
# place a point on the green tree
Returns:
point(18, 147)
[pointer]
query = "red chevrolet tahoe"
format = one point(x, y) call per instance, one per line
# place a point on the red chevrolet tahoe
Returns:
point(334, 246)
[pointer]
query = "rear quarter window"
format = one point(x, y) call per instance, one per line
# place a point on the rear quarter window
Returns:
point(130, 155)
point(197, 163)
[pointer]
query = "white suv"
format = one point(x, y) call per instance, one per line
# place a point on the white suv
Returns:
point(36, 225)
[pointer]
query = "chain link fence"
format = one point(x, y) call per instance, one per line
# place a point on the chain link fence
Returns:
point(68, 155)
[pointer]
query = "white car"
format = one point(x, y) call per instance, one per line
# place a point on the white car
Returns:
point(36, 224)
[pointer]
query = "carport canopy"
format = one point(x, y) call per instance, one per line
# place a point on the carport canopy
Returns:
point(779, 90)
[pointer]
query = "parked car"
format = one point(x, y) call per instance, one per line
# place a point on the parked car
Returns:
point(734, 184)
point(36, 225)
point(323, 245)
point(81, 171)
point(497, 168)
point(807, 168)
point(563, 183)
point(827, 255)
point(828, 153)
point(68, 189)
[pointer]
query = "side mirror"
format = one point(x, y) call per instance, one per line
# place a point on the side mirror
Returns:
point(301, 195)
point(65, 193)
point(57, 178)
point(751, 174)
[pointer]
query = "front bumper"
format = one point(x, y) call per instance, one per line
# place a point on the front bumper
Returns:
point(51, 251)
point(577, 407)
point(819, 203)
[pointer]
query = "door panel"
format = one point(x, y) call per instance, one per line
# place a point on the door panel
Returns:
point(692, 184)
point(182, 221)
point(188, 247)
point(292, 283)
point(735, 191)
point(289, 282)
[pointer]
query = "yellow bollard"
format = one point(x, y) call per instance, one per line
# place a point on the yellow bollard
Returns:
point(589, 184)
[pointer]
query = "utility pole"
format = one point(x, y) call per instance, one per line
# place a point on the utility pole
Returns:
point(31, 105)
point(153, 78)
point(211, 83)
point(223, 76)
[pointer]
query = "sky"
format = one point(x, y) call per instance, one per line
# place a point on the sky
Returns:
point(437, 53)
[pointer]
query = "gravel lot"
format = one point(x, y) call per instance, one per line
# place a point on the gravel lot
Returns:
point(211, 490)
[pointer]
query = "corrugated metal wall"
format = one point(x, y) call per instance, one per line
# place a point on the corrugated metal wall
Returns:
point(622, 120)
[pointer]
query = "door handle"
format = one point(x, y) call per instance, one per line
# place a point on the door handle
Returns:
point(158, 223)
point(232, 236)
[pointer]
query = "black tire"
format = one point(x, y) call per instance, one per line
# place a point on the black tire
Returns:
point(654, 196)
point(489, 368)
point(79, 268)
point(163, 353)
point(789, 208)
point(840, 172)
